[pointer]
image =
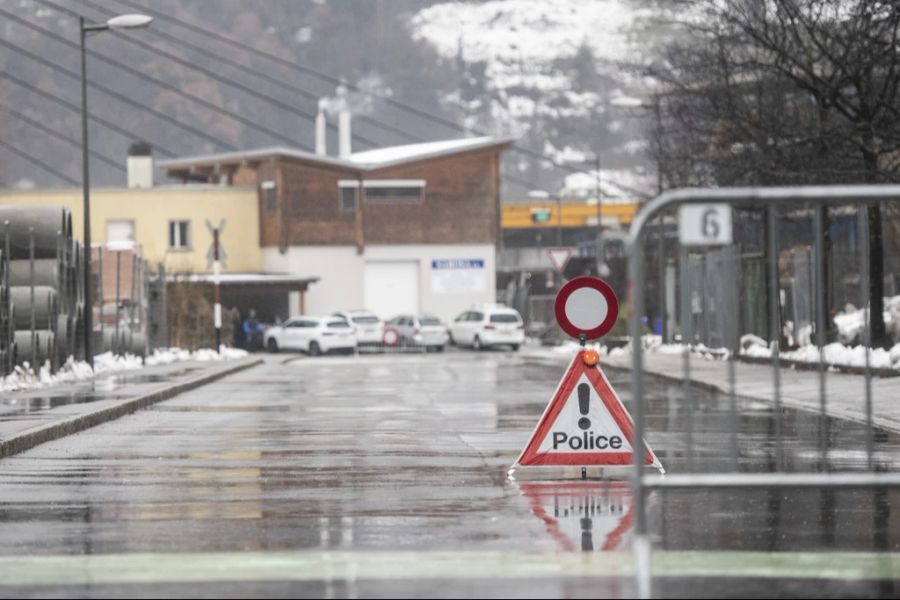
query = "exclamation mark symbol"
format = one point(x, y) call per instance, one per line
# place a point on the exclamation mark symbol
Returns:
point(584, 405)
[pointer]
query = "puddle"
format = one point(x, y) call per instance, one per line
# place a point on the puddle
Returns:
point(15, 407)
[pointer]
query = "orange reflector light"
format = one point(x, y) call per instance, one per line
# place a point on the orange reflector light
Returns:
point(590, 357)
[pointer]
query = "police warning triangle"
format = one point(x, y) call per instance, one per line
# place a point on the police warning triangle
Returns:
point(585, 424)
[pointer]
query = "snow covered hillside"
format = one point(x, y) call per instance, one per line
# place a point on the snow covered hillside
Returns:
point(560, 74)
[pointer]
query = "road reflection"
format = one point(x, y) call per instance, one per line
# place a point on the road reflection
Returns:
point(582, 515)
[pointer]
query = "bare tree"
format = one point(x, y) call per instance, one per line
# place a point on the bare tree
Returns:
point(775, 92)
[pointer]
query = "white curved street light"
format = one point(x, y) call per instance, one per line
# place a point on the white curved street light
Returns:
point(130, 21)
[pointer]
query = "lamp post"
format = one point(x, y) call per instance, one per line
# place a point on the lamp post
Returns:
point(120, 22)
point(601, 260)
point(593, 159)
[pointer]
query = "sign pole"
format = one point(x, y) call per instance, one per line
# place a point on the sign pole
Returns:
point(585, 424)
point(217, 297)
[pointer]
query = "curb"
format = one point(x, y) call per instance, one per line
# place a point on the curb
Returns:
point(30, 438)
point(885, 423)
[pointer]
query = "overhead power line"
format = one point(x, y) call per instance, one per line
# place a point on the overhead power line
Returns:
point(216, 76)
point(37, 161)
point(129, 135)
point(331, 79)
point(119, 96)
point(150, 79)
point(60, 136)
point(426, 115)
point(286, 85)
point(299, 90)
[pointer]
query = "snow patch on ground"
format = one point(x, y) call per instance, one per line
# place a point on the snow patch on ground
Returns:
point(24, 377)
point(170, 355)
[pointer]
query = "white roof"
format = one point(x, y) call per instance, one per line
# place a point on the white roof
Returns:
point(368, 160)
point(393, 154)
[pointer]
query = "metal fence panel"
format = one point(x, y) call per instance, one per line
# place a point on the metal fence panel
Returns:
point(724, 295)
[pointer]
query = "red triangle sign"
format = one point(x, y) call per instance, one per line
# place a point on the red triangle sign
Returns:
point(585, 424)
point(559, 258)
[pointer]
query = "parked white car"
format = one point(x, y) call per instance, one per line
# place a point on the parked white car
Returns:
point(487, 326)
point(369, 329)
point(313, 335)
point(420, 330)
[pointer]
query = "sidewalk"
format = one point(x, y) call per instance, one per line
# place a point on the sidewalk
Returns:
point(32, 417)
point(845, 393)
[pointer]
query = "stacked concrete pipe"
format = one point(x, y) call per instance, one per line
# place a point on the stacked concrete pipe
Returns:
point(42, 295)
point(41, 299)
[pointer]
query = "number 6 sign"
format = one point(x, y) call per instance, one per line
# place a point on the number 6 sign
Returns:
point(704, 225)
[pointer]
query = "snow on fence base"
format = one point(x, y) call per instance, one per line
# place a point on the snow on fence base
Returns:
point(884, 363)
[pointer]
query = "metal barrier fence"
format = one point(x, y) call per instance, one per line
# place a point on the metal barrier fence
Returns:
point(714, 274)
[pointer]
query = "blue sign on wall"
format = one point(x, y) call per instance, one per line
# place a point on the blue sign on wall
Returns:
point(458, 263)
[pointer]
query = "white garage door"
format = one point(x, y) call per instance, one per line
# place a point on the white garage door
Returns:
point(392, 288)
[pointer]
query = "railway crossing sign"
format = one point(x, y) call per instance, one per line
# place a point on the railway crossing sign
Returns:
point(586, 308)
point(585, 424)
point(210, 253)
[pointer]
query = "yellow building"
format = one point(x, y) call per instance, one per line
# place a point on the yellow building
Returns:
point(169, 222)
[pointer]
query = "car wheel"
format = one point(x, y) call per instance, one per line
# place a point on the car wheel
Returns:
point(272, 345)
point(515, 347)
point(438, 348)
point(314, 349)
point(476, 344)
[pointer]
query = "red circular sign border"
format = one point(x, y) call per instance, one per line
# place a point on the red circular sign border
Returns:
point(587, 282)
point(384, 336)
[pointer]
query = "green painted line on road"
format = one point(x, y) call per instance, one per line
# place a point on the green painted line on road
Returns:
point(372, 565)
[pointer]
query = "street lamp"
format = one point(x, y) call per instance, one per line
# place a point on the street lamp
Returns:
point(593, 159)
point(121, 22)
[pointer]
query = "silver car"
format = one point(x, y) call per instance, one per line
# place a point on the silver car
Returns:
point(420, 330)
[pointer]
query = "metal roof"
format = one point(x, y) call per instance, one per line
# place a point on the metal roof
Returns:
point(369, 160)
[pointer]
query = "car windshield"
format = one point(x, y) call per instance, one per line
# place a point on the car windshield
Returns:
point(365, 320)
point(429, 321)
point(338, 324)
point(504, 318)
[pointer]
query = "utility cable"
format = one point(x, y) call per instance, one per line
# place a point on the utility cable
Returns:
point(129, 135)
point(150, 79)
point(37, 161)
point(61, 136)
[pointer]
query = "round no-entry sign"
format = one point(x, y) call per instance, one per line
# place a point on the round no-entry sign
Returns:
point(586, 306)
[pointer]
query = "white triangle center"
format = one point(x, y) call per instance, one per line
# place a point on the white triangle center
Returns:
point(567, 434)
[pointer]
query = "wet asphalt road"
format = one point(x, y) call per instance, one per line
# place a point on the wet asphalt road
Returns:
point(386, 476)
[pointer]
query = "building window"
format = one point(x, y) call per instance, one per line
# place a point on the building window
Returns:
point(348, 195)
point(120, 231)
point(179, 235)
point(270, 198)
point(399, 190)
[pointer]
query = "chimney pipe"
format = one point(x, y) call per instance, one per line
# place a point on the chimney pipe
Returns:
point(140, 165)
point(321, 139)
point(344, 136)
